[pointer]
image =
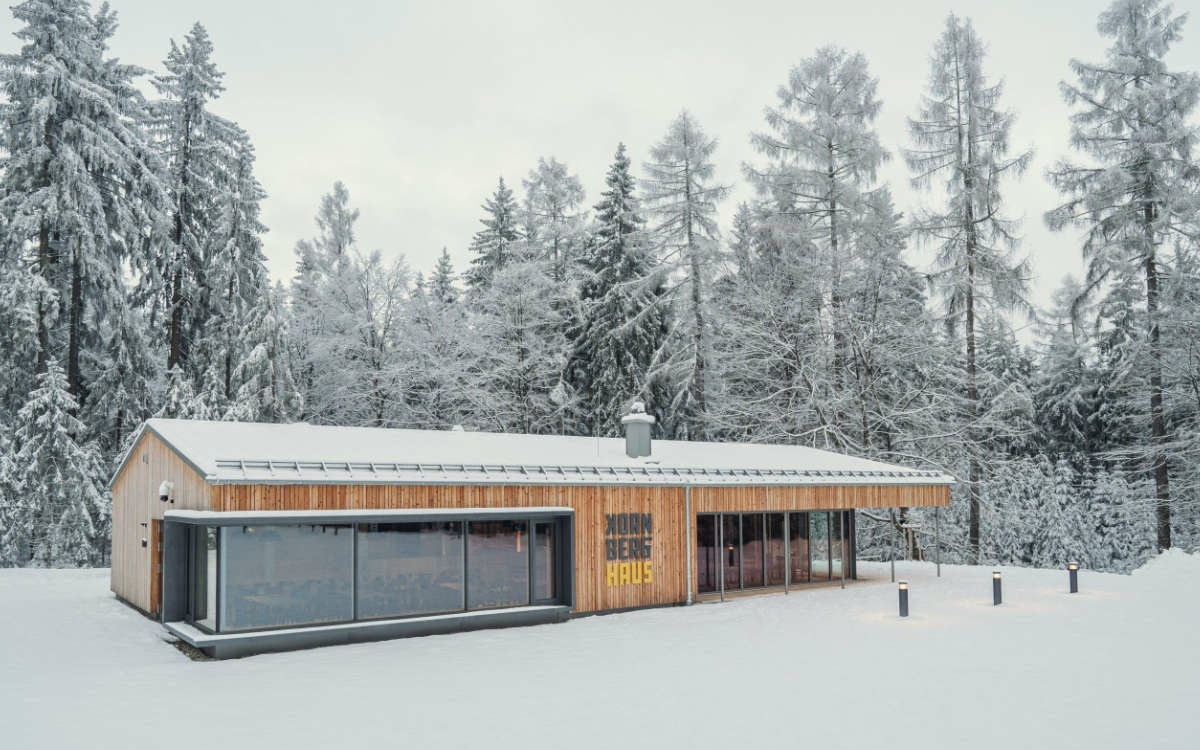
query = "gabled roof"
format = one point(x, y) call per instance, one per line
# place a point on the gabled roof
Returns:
point(257, 453)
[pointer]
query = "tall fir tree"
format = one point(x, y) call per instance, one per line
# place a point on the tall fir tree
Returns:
point(193, 140)
point(961, 136)
point(494, 246)
point(681, 199)
point(553, 219)
point(822, 155)
point(79, 186)
point(625, 319)
point(1137, 194)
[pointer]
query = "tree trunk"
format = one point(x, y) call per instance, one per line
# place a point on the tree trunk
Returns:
point(45, 261)
point(74, 330)
point(966, 156)
point(1158, 425)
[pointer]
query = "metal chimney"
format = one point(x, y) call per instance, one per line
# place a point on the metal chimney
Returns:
point(637, 430)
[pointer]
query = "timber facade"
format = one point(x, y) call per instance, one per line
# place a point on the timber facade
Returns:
point(239, 560)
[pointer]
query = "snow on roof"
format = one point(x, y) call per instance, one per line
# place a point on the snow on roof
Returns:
point(298, 453)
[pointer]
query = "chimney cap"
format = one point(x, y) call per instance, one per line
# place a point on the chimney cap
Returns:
point(637, 413)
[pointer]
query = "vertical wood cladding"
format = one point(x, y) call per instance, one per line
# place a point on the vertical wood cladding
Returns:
point(135, 502)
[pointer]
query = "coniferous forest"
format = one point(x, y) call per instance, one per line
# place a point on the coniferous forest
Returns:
point(133, 284)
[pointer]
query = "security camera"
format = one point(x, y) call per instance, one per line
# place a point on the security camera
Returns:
point(164, 491)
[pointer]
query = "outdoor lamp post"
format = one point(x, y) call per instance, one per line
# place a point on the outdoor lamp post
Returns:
point(996, 588)
point(904, 598)
point(1073, 572)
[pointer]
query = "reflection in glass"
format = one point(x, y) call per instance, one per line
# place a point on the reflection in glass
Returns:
point(775, 548)
point(752, 550)
point(202, 564)
point(497, 564)
point(543, 561)
point(706, 552)
point(286, 575)
point(409, 568)
point(819, 541)
point(731, 552)
point(798, 530)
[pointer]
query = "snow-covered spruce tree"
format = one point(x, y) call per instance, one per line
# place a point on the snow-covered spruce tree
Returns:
point(822, 154)
point(180, 400)
point(436, 341)
point(24, 294)
point(237, 283)
point(1122, 515)
point(681, 199)
point(193, 141)
point(443, 283)
point(266, 388)
point(123, 392)
point(494, 246)
point(78, 193)
point(317, 262)
point(1136, 194)
point(961, 137)
point(61, 514)
point(518, 352)
point(1066, 382)
point(553, 217)
point(625, 320)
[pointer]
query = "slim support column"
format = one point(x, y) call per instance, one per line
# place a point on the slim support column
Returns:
point(687, 537)
point(787, 551)
point(842, 541)
point(937, 539)
point(721, 550)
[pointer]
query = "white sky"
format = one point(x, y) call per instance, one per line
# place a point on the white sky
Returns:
point(418, 107)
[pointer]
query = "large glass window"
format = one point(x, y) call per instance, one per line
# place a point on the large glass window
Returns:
point(543, 561)
point(706, 552)
point(202, 569)
point(798, 531)
point(819, 543)
point(731, 552)
point(286, 575)
point(775, 550)
point(497, 564)
point(409, 568)
point(752, 550)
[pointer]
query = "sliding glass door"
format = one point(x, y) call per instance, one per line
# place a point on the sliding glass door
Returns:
point(757, 549)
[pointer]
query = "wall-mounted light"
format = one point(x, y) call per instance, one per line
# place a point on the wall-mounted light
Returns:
point(996, 588)
point(904, 598)
point(1073, 573)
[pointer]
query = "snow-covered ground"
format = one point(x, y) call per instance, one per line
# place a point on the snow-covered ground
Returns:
point(1115, 666)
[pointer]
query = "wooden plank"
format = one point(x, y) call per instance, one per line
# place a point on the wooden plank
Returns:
point(136, 506)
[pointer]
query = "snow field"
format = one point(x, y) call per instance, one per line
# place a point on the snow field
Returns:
point(1115, 666)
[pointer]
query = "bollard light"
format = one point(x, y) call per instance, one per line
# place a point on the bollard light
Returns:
point(996, 599)
point(1073, 572)
point(904, 598)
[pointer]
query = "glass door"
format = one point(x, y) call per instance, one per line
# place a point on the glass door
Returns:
point(776, 557)
point(731, 552)
point(819, 544)
point(706, 552)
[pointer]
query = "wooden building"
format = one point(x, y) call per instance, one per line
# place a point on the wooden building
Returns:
point(244, 537)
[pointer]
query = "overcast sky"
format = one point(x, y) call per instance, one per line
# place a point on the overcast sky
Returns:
point(418, 107)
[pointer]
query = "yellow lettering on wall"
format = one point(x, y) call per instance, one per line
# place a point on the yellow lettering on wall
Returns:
point(637, 573)
point(611, 574)
point(647, 576)
point(624, 573)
